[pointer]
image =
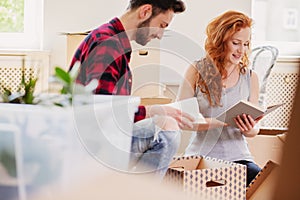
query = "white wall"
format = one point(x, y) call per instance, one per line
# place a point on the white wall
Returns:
point(190, 32)
point(278, 28)
point(74, 16)
point(193, 21)
point(273, 25)
point(78, 16)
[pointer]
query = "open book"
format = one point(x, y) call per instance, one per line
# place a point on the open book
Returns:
point(247, 108)
point(191, 107)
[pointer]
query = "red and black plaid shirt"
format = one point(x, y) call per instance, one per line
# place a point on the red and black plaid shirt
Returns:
point(105, 55)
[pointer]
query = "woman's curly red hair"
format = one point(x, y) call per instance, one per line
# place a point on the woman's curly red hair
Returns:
point(211, 69)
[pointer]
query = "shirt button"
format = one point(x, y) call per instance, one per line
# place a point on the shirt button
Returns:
point(130, 80)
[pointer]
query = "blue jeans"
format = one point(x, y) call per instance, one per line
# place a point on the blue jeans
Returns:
point(252, 169)
point(152, 149)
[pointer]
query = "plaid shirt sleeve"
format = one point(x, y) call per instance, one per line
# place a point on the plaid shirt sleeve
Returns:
point(141, 114)
point(105, 63)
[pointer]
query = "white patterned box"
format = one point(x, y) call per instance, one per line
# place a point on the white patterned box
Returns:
point(208, 178)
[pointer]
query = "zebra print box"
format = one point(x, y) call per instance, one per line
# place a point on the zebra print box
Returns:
point(207, 178)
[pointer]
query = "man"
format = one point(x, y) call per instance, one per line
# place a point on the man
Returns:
point(105, 54)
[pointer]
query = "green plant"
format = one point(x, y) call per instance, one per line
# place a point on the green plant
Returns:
point(69, 85)
point(25, 94)
point(66, 79)
point(7, 159)
point(25, 91)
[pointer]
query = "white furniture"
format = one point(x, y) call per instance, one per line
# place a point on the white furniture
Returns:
point(58, 144)
point(34, 63)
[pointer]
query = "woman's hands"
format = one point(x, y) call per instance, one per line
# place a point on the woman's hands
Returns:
point(246, 124)
point(183, 119)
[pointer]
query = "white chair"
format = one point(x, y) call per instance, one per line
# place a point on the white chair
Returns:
point(262, 60)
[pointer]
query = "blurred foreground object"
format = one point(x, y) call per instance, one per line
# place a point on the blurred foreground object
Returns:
point(114, 185)
point(288, 183)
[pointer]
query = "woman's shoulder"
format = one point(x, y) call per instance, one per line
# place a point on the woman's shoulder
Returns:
point(247, 72)
point(202, 63)
point(250, 76)
point(250, 73)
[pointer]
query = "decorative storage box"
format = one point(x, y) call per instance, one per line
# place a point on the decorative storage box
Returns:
point(208, 178)
point(263, 186)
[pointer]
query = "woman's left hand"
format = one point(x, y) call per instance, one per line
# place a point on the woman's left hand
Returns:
point(246, 124)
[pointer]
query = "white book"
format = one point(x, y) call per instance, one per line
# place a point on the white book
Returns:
point(245, 107)
point(191, 107)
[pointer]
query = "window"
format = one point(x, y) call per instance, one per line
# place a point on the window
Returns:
point(277, 22)
point(21, 24)
point(12, 16)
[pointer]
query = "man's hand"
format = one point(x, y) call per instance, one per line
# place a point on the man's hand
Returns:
point(183, 119)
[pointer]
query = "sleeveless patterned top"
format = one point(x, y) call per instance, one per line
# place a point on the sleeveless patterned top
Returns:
point(226, 143)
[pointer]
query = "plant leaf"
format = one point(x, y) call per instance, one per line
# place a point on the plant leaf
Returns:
point(63, 75)
point(75, 70)
point(91, 86)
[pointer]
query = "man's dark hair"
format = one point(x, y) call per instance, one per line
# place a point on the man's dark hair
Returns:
point(159, 6)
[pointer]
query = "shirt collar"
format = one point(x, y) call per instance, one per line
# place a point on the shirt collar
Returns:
point(120, 30)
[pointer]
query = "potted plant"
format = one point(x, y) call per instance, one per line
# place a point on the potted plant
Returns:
point(22, 110)
point(59, 133)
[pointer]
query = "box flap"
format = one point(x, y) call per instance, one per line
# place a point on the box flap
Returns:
point(272, 131)
point(212, 163)
point(260, 178)
point(282, 138)
point(76, 33)
point(186, 163)
point(198, 162)
point(155, 100)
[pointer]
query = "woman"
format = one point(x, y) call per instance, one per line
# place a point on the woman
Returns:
point(219, 81)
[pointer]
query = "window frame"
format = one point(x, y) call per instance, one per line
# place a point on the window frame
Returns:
point(31, 38)
point(286, 48)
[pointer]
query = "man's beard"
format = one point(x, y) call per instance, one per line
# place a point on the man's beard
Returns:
point(142, 33)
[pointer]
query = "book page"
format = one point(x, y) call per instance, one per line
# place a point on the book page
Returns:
point(244, 107)
point(211, 123)
point(191, 107)
point(272, 108)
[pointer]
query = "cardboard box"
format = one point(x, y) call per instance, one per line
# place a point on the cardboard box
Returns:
point(266, 147)
point(207, 178)
point(73, 41)
point(155, 100)
point(263, 186)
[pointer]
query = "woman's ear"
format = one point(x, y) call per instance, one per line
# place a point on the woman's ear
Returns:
point(145, 12)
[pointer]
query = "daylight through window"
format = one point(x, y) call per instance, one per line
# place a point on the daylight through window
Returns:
point(21, 24)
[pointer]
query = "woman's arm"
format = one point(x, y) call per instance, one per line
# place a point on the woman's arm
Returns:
point(188, 85)
point(254, 92)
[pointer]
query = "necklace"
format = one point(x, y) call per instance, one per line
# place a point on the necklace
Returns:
point(228, 75)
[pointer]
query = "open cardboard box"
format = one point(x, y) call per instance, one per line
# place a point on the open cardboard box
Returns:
point(267, 150)
point(266, 147)
point(73, 42)
point(263, 186)
point(207, 178)
point(155, 100)
point(210, 178)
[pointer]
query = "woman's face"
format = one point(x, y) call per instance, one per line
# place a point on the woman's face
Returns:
point(238, 45)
